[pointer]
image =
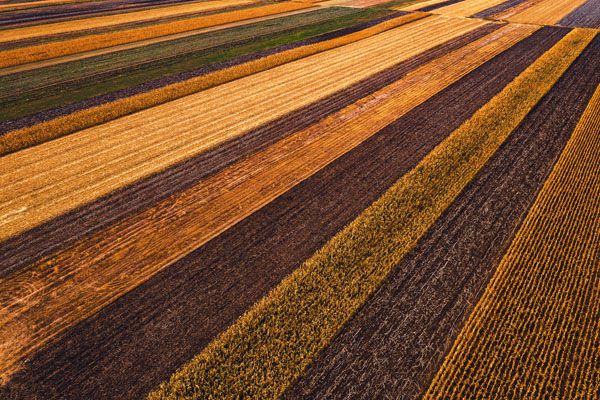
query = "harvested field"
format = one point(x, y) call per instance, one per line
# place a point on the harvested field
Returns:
point(42, 186)
point(541, 307)
point(547, 12)
point(32, 92)
point(245, 182)
point(313, 302)
point(179, 86)
point(298, 199)
point(434, 287)
point(467, 7)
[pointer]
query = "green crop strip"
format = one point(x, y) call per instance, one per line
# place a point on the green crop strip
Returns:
point(38, 100)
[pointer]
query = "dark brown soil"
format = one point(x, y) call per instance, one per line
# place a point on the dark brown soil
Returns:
point(394, 345)
point(587, 15)
point(24, 249)
point(498, 9)
point(439, 5)
point(139, 340)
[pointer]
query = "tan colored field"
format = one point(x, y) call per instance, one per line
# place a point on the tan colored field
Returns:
point(39, 133)
point(124, 256)
point(546, 12)
point(467, 8)
point(54, 177)
point(108, 20)
point(32, 4)
point(538, 319)
point(92, 42)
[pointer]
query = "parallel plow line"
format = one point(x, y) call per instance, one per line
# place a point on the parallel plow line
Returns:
point(534, 334)
point(299, 318)
point(37, 134)
point(50, 179)
point(397, 341)
point(72, 46)
point(135, 249)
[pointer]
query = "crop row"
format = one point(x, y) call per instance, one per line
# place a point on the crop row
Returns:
point(99, 41)
point(538, 320)
point(42, 132)
point(321, 205)
point(298, 319)
point(233, 194)
point(97, 22)
point(98, 80)
point(110, 157)
point(408, 324)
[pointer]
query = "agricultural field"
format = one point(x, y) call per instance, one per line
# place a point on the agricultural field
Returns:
point(299, 199)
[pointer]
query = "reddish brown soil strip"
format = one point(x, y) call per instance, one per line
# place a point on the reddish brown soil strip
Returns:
point(394, 345)
point(588, 16)
point(23, 249)
point(498, 9)
point(7, 126)
point(141, 338)
point(438, 5)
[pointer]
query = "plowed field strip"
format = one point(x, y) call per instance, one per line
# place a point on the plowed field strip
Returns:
point(298, 318)
point(587, 15)
point(497, 9)
point(22, 250)
point(93, 42)
point(534, 334)
point(129, 253)
point(78, 10)
point(49, 179)
point(220, 280)
point(394, 345)
point(505, 14)
point(420, 5)
point(468, 7)
point(438, 5)
point(547, 12)
point(96, 22)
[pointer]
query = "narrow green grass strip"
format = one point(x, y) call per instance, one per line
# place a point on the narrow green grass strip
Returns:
point(270, 345)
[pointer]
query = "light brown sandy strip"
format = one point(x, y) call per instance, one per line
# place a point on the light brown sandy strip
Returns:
point(133, 45)
point(47, 180)
point(43, 300)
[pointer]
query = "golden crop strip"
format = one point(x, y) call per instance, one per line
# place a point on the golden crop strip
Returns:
point(300, 317)
point(108, 20)
point(42, 132)
point(536, 330)
point(47, 180)
point(48, 50)
point(547, 12)
point(467, 8)
point(122, 257)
